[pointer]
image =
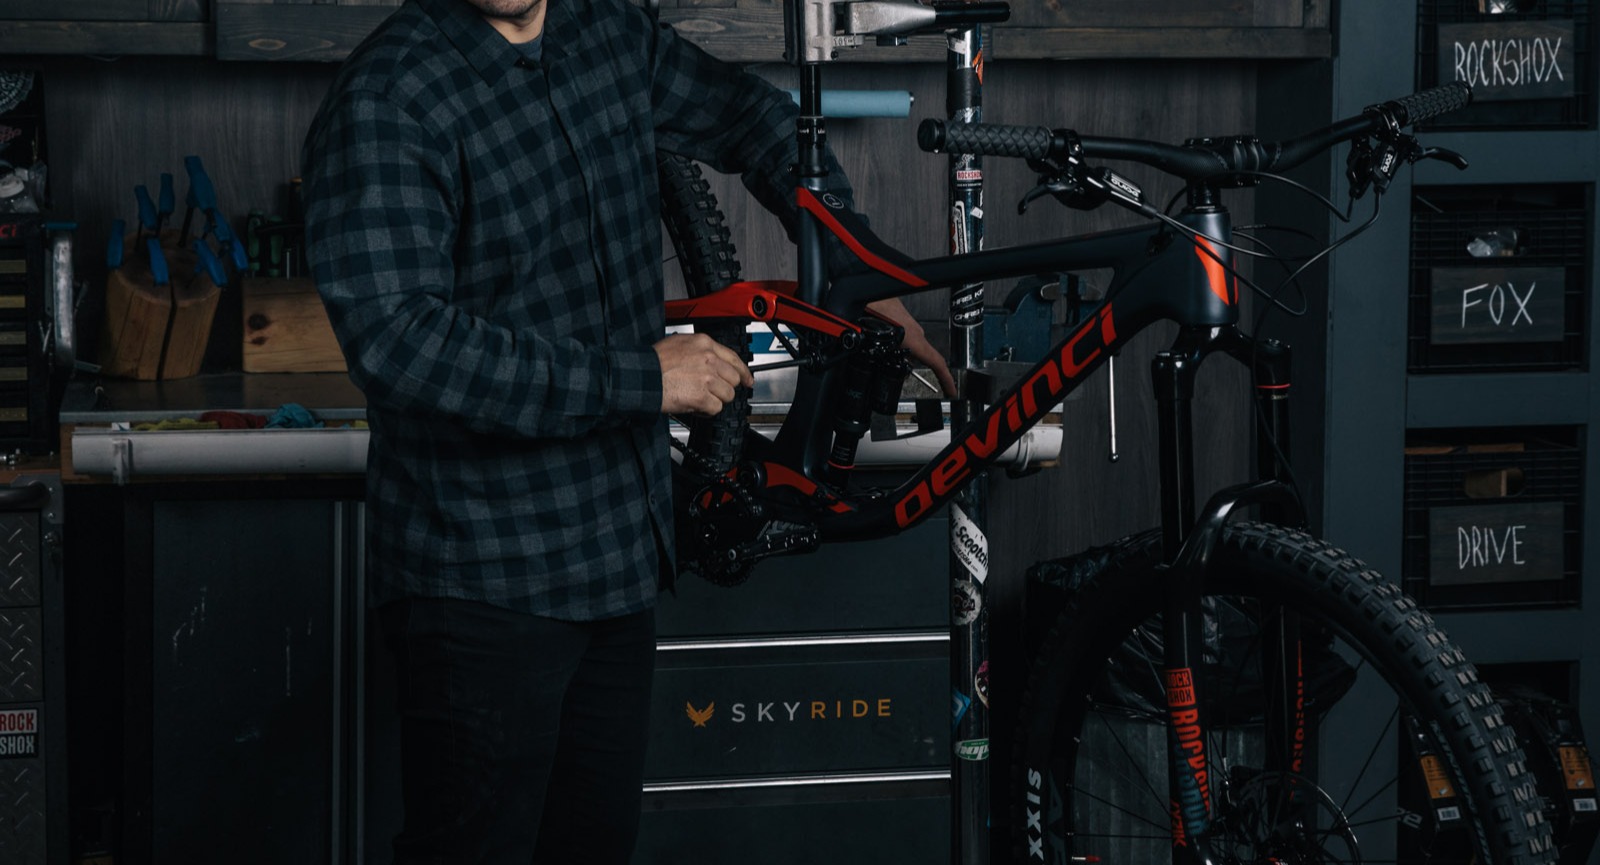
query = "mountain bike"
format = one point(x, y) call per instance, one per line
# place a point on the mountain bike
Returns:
point(1214, 690)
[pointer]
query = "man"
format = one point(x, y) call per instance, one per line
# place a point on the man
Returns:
point(483, 227)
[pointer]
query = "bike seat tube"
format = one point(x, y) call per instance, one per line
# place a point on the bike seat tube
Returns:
point(811, 170)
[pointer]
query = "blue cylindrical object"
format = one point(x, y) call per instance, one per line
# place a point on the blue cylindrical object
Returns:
point(863, 103)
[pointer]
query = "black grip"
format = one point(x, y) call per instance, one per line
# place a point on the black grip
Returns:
point(1431, 103)
point(960, 15)
point(30, 496)
point(984, 139)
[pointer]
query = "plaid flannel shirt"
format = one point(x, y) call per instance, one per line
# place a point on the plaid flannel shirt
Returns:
point(485, 234)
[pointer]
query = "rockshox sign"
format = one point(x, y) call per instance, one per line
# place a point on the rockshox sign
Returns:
point(19, 733)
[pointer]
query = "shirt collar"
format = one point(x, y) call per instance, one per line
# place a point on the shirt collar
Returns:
point(484, 47)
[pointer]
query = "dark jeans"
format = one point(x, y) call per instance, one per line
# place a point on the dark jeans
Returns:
point(522, 738)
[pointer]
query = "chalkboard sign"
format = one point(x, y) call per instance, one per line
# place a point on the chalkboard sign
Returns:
point(1510, 60)
point(1495, 543)
point(1478, 305)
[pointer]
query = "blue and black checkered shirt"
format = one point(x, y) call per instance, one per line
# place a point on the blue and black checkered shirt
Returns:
point(484, 232)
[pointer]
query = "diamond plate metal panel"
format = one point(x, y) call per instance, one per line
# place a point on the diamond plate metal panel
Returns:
point(19, 560)
point(22, 812)
point(21, 657)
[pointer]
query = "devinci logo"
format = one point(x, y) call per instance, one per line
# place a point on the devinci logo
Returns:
point(785, 711)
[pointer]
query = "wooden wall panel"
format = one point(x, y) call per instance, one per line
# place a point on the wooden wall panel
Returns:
point(105, 38)
point(312, 3)
point(104, 10)
point(1113, 43)
point(1136, 13)
point(320, 33)
point(178, 10)
point(751, 31)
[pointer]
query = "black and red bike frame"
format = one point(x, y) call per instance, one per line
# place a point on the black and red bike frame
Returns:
point(1159, 274)
point(1178, 270)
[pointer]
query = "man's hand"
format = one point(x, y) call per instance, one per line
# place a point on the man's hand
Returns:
point(698, 374)
point(917, 341)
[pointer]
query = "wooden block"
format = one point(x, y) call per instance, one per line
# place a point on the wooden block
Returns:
point(135, 326)
point(194, 307)
point(156, 331)
point(286, 328)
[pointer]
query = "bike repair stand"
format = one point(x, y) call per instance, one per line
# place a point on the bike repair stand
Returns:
point(969, 543)
point(814, 30)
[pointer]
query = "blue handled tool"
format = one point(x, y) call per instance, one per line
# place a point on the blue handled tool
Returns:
point(147, 211)
point(230, 242)
point(158, 262)
point(201, 195)
point(204, 194)
point(164, 203)
point(114, 246)
point(241, 259)
point(211, 263)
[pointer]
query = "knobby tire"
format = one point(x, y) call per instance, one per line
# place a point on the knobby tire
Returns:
point(706, 257)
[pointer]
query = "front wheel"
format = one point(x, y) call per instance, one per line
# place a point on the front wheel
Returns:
point(1337, 723)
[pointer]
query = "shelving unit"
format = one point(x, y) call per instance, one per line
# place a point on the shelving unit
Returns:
point(735, 30)
point(1378, 400)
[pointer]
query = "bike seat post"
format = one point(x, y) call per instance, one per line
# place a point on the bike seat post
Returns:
point(808, 40)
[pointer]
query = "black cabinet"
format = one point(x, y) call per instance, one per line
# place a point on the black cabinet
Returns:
point(256, 722)
point(238, 611)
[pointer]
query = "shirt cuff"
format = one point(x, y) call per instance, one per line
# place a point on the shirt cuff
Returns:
point(635, 383)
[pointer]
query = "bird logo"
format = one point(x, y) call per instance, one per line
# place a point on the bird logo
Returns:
point(699, 716)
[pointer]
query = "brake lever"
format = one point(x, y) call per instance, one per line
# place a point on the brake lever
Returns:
point(1056, 186)
point(1358, 168)
point(1444, 155)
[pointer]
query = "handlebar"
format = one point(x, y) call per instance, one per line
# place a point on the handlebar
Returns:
point(1196, 159)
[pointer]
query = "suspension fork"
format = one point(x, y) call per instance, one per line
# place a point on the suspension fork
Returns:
point(1188, 778)
point(1288, 734)
point(1187, 540)
point(1286, 726)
